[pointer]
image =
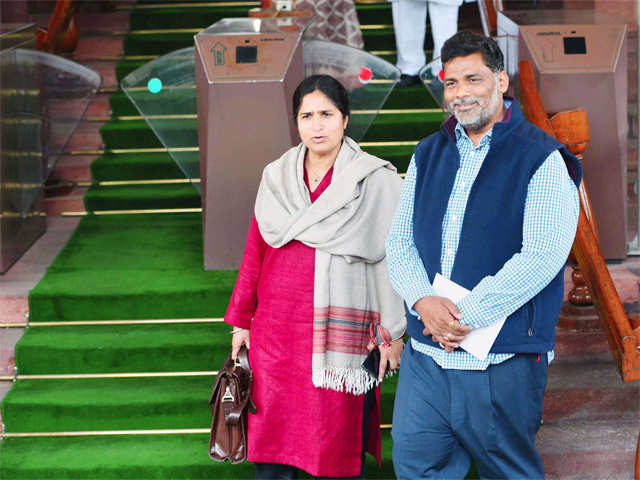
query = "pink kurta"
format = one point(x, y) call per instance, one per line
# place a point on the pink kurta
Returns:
point(315, 429)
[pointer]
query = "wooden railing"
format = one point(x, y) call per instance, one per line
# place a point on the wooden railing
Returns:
point(61, 35)
point(623, 340)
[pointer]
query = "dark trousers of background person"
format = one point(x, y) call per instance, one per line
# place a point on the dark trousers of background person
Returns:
point(443, 419)
point(278, 471)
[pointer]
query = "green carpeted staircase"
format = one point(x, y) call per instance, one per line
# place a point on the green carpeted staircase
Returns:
point(116, 368)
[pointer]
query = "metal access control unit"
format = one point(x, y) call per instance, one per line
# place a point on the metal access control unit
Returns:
point(584, 66)
point(246, 73)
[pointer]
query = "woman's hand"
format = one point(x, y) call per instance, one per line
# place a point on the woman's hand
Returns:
point(390, 354)
point(241, 337)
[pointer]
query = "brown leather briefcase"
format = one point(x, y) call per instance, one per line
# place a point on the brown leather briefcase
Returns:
point(230, 401)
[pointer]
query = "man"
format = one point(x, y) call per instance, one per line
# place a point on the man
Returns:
point(410, 25)
point(490, 202)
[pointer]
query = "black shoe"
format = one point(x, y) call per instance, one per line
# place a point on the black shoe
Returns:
point(408, 80)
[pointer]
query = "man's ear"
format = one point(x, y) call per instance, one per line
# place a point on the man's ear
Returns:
point(503, 81)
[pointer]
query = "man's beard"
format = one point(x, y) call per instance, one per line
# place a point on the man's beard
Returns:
point(488, 109)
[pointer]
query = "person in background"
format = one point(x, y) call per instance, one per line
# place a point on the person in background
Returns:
point(313, 294)
point(489, 202)
point(334, 21)
point(410, 25)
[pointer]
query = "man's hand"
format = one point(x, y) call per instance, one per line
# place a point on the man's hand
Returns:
point(441, 318)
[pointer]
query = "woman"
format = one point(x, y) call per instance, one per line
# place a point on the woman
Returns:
point(313, 291)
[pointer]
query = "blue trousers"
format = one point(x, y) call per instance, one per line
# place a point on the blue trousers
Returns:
point(444, 419)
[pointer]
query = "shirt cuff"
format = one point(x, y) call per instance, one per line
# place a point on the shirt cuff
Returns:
point(413, 297)
point(472, 312)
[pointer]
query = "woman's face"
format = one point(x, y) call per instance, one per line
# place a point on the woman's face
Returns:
point(320, 124)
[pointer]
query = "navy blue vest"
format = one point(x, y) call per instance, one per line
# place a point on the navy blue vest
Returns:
point(492, 226)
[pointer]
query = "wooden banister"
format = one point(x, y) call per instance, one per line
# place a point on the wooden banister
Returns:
point(61, 35)
point(492, 17)
point(586, 249)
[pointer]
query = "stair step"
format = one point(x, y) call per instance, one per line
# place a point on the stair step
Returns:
point(106, 71)
point(123, 348)
point(96, 404)
point(85, 137)
point(14, 308)
point(134, 456)
point(130, 403)
point(138, 134)
point(574, 391)
point(588, 448)
point(177, 17)
point(416, 96)
point(99, 106)
point(135, 166)
point(107, 404)
point(160, 166)
point(73, 168)
point(125, 67)
point(107, 45)
point(167, 41)
point(141, 197)
point(588, 390)
point(128, 274)
point(580, 346)
point(70, 202)
point(203, 16)
point(121, 105)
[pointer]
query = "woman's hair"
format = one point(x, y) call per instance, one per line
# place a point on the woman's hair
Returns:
point(466, 43)
point(326, 84)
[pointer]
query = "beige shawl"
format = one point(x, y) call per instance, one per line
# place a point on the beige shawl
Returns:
point(347, 226)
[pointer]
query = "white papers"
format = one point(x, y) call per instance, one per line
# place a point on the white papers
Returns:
point(479, 341)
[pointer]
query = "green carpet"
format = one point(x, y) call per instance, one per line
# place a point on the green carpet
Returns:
point(140, 403)
point(132, 267)
point(125, 348)
point(149, 266)
point(134, 457)
point(135, 166)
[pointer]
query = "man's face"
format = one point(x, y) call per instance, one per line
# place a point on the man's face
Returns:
point(473, 93)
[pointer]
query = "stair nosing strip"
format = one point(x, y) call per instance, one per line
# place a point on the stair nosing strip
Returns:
point(86, 376)
point(151, 321)
point(153, 31)
point(161, 6)
point(137, 118)
point(160, 181)
point(89, 433)
point(82, 213)
point(378, 81)
point(196, 149)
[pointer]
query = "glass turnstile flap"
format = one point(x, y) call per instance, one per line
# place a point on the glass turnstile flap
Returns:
point(46, 97)
point(164, 92)
point(431, 76)
point(368, 79)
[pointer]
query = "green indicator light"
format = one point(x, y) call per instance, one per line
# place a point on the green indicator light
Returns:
point(154, 85)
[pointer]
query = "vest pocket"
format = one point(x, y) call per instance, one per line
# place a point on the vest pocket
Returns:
point(532, 318)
